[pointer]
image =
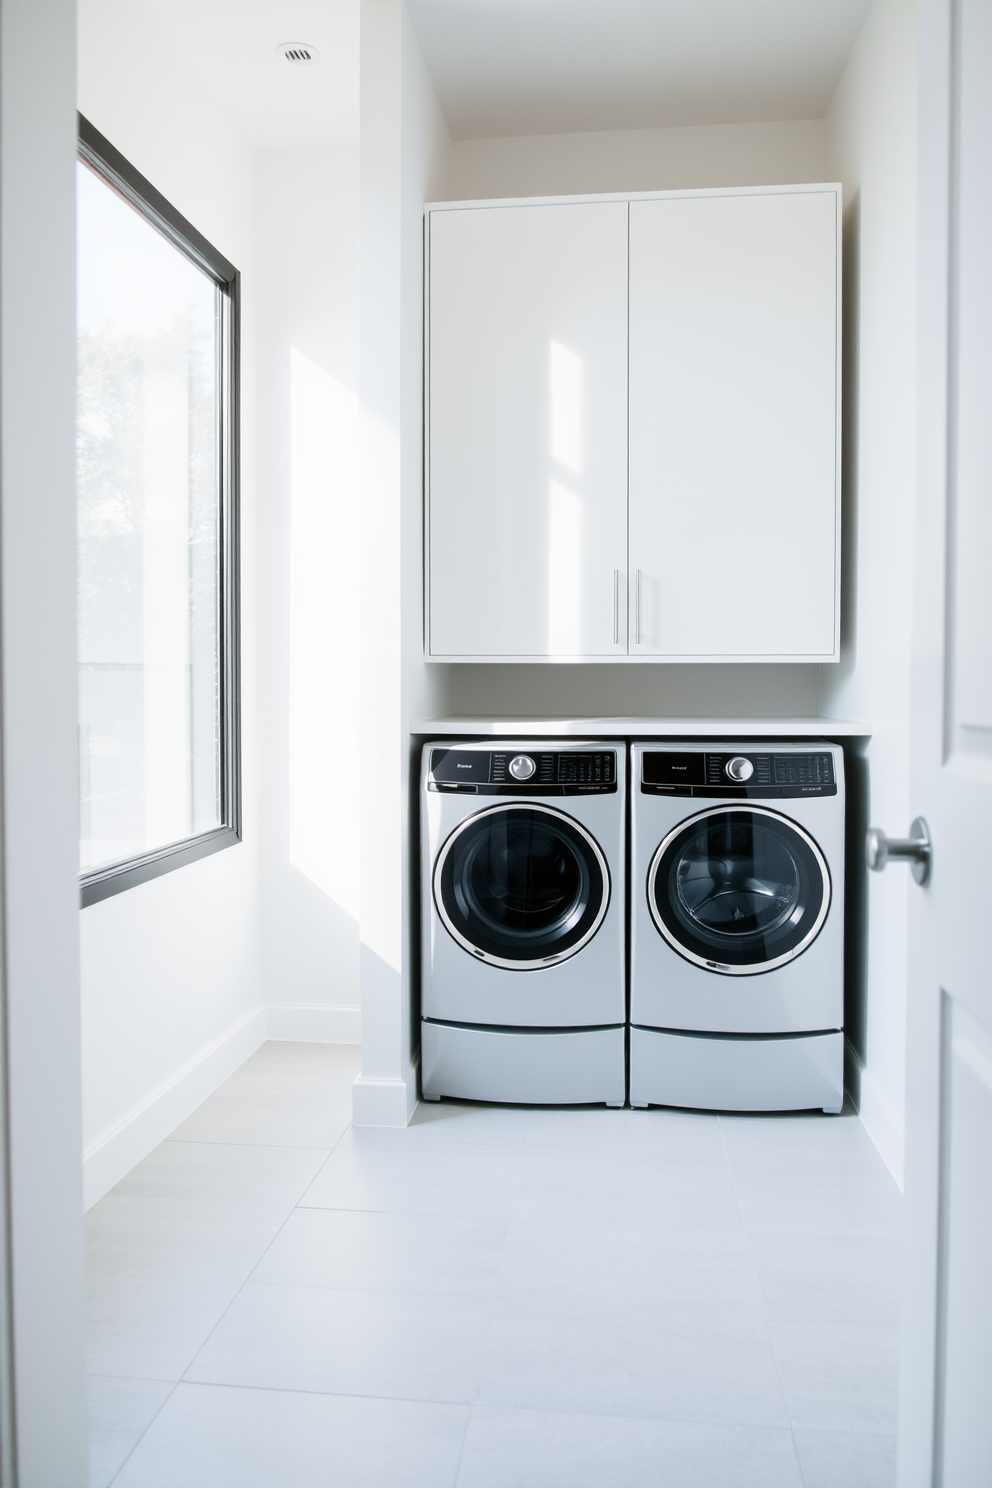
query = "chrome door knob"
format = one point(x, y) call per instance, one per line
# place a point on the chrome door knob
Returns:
point(522, 767)
point(739, 768)
point(916, 849)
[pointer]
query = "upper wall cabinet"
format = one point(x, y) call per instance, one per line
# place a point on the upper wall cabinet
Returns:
point(733, 427)
point(528, 431)
point(696, 520)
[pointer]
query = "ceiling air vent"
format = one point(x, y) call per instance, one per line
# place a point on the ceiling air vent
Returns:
point(298, 53)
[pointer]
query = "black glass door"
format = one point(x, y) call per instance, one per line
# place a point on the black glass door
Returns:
point(739, 891)
point(521, 886)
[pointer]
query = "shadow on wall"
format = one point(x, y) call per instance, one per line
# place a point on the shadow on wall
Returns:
point(850, 425)
point(856, 762)
point(414, 939)
point(855, 914)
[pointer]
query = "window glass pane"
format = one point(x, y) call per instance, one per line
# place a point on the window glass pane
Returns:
point(149, 326)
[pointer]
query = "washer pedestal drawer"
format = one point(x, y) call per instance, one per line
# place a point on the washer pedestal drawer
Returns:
point(541, 1069)
point(713, 1073)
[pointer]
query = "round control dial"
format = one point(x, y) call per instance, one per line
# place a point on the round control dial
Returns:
point(522, 767)
point(739, 768)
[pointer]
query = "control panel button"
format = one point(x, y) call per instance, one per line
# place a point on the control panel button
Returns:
point(739, 768)
point(522, 767)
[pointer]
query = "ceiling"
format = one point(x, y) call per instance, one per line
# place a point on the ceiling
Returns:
point(225, 50)
point(514, 67)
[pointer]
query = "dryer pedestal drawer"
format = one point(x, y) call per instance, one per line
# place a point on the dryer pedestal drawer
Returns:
point(737, 1074)
point(542, 1069)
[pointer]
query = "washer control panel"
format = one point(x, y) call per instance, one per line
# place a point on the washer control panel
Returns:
point(520, 772)
point(669, 772)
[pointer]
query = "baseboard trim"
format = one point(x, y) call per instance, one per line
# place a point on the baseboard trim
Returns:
point(883, 1126)
point(117, 1151)
point(378, 1102)
point(307, 1023)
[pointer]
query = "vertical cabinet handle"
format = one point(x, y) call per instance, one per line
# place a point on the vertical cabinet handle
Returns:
point(616, 607)
point(637, 607)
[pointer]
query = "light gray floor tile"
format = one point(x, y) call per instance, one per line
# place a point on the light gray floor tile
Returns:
point(526, 1449)
point(381, 1170)
point(709, 1272)
point(281, 1068)
point(666, 1136)
point(840, 1459)
point(636, 1361)
point(224, 1174)
point(349, 1343)
point(269, 1120)
point(286, 1094)
point(839, 1381)
point(344, 1249)
point(807, 1142)
point(152, 1327)
point(584, 1276)
point(444, 1123)
point(129, 1237)
point(829, 1281)
point(120, 1410)
point(811, 1203)
point(210, 1437)
point(586, 1187)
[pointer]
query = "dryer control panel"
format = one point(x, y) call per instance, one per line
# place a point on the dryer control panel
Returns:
point(742, 776)
point(524, 772)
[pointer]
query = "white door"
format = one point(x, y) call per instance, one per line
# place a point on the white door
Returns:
point(734, 475)
point(946, 1388)
point(527, 474)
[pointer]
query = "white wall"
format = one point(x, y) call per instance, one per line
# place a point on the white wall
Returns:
point(871, 147)
point(43, 1409)
point(636, 691)
point(171, 989)
point(308, 587)
point(184, 976)
point(404, 150)
point(638, 160)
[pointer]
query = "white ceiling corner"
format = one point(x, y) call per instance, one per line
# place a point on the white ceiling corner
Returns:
point(516, 67)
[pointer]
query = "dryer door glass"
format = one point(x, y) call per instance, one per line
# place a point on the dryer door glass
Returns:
point(739, 891)
point(521, 886)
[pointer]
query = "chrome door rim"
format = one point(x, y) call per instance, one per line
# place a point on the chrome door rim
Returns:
point(505, 963)
point(709, 963)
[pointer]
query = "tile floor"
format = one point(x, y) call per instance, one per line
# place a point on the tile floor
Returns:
point(493, 1298)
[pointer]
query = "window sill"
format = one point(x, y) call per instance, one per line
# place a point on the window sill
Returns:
point(103, 883)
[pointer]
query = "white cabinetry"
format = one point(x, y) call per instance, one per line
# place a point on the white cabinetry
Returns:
point(527, 536)
point(733, 427)
point(723, 544)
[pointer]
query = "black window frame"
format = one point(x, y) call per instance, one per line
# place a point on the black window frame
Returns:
point(101, 883)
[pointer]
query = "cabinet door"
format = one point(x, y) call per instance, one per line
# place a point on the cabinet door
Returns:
point(734, 511)
point(528, 431)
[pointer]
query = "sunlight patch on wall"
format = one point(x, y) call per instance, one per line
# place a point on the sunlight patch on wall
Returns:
point(323, 672)
point(564, 572)
point(566, 408)
point(565, 505)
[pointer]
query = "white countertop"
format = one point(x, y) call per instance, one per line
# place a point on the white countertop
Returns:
point(641, 728)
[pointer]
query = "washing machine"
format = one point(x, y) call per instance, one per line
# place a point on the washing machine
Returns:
point(737, 925)
point(523, 991)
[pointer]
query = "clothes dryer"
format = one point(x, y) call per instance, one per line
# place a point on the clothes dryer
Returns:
point(737, 925)
point(522, 878)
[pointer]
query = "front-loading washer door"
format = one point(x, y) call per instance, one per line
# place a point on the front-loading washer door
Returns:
point(521, 886)
point(738, 890)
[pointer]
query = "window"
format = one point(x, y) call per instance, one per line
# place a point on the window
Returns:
point(157, 482)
